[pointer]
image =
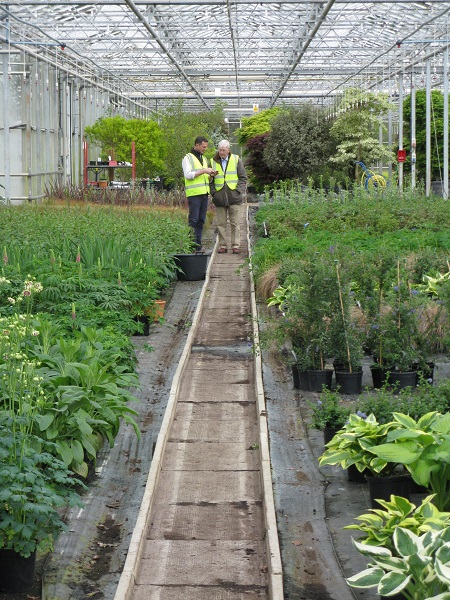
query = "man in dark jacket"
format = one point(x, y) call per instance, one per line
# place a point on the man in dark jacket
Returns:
point(228, 187)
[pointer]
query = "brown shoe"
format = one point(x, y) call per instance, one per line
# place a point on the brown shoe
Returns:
point(236, 251)
point(222, 250)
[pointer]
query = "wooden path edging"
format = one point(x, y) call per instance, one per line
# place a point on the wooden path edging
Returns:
point(275, 570)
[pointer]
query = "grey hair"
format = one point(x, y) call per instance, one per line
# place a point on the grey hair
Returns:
point(224, 144)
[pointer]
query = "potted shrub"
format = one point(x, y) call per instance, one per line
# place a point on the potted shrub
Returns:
point(399, 332)
point(34, 485)
point(346, 339)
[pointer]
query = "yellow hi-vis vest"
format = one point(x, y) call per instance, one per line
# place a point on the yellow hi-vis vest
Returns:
point(200, 184)
point(231, 176)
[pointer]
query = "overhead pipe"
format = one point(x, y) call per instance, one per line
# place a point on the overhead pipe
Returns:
point(162, 45)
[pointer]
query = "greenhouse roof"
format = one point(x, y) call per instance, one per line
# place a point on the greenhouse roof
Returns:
point(250, 54)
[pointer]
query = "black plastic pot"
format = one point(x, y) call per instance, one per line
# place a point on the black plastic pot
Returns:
point(356, 476)
point(146, 324)
point(349, 383)
point(402, 379)
point(382, 487)
point(300, 379)
point(192, 267)
point(329, 433)
point(16, 572)
point(319, 378)
point(379, 375)
point(426, 372)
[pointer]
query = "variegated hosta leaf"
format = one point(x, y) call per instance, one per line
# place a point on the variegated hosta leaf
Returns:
point(369, 550)
point(442, 563)
point(367, 578)
point(393, 583)
point(406, 542)
point(443, 596)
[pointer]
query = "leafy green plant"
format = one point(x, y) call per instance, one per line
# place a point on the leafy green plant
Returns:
point(354, 445)
point(418, 566)
point(423, 447)
point(377, 527)
point(34, 486)
point(329, 411)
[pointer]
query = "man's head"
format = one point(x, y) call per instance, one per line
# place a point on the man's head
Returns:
point(223, 148)
point(200, 144)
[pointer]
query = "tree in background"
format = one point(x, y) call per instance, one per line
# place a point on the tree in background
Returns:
point(253, 137)
point(299, 144)
point(355, 130)
point(256, 125)
point(437, 131)
point(114, 136)
point(180, 128)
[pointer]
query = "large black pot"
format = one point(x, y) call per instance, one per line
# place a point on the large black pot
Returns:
point(300, 379)
point(319, 378)
point(16, 572)
point(379, 376)
point(356, 476)
point(192, 267)
point(349, 383)
point(329, 433)
point(382, 487)
point(402, 379)
point(145, 325)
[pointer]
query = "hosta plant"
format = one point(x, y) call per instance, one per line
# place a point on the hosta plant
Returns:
point(354, 444)
point(418, 566)
point(377, 527)
point(423, 447)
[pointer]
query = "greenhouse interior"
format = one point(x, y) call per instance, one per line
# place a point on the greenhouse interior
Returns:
point(67, 64)
point(224, 300)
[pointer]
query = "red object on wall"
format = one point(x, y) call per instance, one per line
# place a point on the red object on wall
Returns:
point(401, 155)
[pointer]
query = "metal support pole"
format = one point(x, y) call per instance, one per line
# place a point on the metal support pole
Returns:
point(6, 137)
point(400, 129)
point(413, 133)
point(428, 130)
point(390, 142)
point(446, 75)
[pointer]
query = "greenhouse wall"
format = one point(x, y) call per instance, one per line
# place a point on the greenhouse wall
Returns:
point(43, 112)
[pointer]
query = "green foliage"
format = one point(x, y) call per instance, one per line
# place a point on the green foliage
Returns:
point(256, 125)
point(355, 444)
point(417, 567)
point(180, 128)
point(423, 447)
point(299, 143)
point(114, 135)
point(356, 128)
point(329, 411)
point(437, 128)
point(379, 525)
point(34, 487)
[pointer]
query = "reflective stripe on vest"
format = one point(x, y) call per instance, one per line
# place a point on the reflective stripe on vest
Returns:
point(200, 184)
point(231, 176)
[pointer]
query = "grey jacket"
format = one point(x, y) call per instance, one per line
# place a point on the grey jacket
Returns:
point(225, 196)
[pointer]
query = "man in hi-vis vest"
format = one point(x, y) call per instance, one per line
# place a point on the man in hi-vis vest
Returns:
point(228, 189)
point(196, 181)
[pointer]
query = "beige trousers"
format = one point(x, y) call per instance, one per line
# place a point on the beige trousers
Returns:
point(233, 213)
